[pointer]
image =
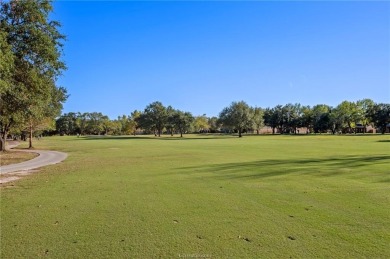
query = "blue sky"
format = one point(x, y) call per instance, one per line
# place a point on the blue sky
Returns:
point(201, 56)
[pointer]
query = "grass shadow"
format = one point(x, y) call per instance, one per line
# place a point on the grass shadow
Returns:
point(329, 166)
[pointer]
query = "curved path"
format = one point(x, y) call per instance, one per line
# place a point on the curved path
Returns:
point(45, 157)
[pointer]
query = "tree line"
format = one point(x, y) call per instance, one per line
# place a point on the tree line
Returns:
point(238, 117)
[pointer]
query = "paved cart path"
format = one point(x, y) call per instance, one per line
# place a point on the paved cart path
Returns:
point(45, 158)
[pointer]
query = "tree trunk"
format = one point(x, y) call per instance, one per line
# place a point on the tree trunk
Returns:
point(3, 141)
point(239, 133)
point(31, 136)
point(181, 133)
point(3, 136)
point(257, 131)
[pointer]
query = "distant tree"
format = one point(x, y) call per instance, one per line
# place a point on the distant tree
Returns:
point(122, 125)
point(306, 118)
point(349, 113)
point(108, 125)
point(281, 115)
point(321, 118)
point(275, 118)
point(258, 120)
point(67, 124)
point(144, 122)
point(95, 123)
point(171, 119)
point(363, 106)
point(292, 117)
point(335, 120)
point(271, 118)
point(133, 125)
point(182, 121)
point(82, 122)
point(379, 114)
point(201, 124)
point(213, 124)
point(238, 115)
point(116, 127)
point(154, 117)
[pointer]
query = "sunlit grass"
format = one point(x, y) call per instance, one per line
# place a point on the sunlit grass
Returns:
point(216, 196)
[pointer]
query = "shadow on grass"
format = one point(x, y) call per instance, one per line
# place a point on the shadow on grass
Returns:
point(384, 140)
point(280, 167)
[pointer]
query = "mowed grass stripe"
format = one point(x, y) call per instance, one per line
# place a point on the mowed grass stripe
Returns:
point(219, 196)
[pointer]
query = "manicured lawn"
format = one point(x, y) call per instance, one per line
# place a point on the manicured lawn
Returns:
point(205, 196)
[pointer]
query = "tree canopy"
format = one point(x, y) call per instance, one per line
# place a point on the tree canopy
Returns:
point(32, 47)
point(238, 115)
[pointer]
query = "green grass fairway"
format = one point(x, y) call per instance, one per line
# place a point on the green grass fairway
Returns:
point(203, 196)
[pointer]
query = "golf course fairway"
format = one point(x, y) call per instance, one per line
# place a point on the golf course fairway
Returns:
point(204, 196)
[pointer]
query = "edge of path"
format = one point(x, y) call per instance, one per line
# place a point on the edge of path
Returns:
point(46, 157)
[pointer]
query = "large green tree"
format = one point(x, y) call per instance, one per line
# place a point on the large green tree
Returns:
point(258, 120)
point(321, 118)
point(154, 117)
point(125, 125)
point(349, 113)
point(273, 117)
point(306, 118)
point(363, 106)
point(66, 124)
point(379, 114)
point(95, 123)
point(270, 118)
point(238, 116)
point(133, 124)
point(214, 125)
point(36, 46)
point(171, 123)
point(292, 117)
point(201, 124)
point(182, 121)
point(335, 120)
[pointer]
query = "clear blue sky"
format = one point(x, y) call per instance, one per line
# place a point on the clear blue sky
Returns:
point(201, 56)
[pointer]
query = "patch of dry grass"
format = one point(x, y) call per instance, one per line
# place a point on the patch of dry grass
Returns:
point(14, 157)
